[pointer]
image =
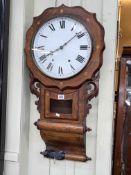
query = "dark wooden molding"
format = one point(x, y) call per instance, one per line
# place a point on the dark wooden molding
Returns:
point(4, 32)
point(120, 118)
point(122, 122)
point(127, 50)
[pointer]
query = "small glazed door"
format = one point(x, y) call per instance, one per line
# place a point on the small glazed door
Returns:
point(122, 151)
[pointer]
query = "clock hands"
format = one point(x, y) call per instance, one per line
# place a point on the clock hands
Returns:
point(62, 46)
point(59, 48)
point(40, 50)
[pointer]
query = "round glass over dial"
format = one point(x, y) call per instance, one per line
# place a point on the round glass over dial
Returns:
point(61, 47)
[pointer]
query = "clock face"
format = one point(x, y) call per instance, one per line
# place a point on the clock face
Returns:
point(61, 47)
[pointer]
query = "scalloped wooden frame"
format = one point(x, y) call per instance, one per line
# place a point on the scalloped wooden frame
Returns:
point(96, 31)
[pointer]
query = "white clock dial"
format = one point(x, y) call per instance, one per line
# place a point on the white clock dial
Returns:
point(61, 47)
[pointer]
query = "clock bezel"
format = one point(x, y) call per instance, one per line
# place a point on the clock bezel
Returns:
point(91, 42)
point(96, 32)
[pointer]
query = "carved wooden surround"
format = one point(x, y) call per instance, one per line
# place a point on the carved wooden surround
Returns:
point(64, 104)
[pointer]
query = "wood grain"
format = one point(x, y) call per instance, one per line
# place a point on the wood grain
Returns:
point(120, 118)
point(122, 151)
point(60, 127)
point(91, 23)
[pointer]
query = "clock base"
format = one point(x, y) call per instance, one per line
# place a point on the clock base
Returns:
point(64, 141)
point(61, 155)
point(65, 135)
point(77, 157)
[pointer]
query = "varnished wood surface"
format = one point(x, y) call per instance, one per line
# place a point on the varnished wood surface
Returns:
point(120, 118)
point(61, 127)
point(127, 50)
point(122, 147)
point(97, 34)
point(65, 130)
point(127, 142)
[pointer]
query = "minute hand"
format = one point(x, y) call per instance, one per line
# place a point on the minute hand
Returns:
point(61, 47)
point(69, 40)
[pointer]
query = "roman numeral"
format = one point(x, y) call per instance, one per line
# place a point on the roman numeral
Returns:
point(80, 35)
point(72, 67)
point(83, 47)
point(40, 47)
point(50, 66)
point(43, 58)
point(60, 70)
point(52, 27)
point(73, 27)
point(80, 59)
point(43, 36)
point(62, 24)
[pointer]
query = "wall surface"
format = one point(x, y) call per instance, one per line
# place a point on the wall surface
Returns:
point(23, 142)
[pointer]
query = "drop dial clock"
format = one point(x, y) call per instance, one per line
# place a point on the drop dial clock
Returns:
point(64, 48)
point(61, 47)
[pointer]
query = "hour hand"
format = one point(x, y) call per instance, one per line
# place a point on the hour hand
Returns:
point(39, 48)
point(44, 57)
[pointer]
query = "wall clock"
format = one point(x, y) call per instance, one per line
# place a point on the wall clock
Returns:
point(64, 49)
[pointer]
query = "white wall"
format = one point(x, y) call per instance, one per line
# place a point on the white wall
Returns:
point(23, 142)
point(18, 94)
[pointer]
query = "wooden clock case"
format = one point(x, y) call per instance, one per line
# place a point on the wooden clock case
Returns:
point(63, 104)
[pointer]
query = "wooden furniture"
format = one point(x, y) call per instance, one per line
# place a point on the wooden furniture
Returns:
point(122, 149)
point(63, 103)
